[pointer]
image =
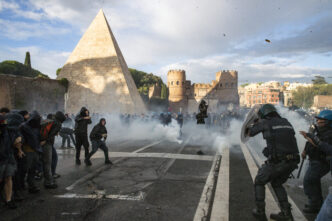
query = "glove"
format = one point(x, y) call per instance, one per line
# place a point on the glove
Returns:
point(314, 138)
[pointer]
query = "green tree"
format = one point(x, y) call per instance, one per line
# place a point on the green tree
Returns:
point(144, 80)
point(19, 69)
point(163, 94)
point(58, 71)
point(319, 80)
point(27, 61)
point(304, 96)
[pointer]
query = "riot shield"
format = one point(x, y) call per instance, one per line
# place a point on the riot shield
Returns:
point(251, 117)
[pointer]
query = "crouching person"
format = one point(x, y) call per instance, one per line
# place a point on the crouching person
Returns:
point(98, 137)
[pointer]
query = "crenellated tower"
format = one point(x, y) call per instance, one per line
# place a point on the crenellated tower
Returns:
point(176, 82)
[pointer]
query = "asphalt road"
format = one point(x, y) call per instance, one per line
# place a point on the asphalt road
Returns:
point(150, 180)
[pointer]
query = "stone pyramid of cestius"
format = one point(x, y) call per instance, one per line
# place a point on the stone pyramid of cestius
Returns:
point(98, 75)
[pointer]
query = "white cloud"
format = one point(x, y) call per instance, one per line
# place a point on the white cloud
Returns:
point(20, 30)
point(199, 36)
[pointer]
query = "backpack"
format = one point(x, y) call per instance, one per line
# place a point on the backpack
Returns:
point(45, 128)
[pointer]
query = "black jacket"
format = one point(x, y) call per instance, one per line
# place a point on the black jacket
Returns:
point(279, 135)
point(325, 135)
point(31, 131)
point(98, 131)
point(81, 124)
point(56, 127)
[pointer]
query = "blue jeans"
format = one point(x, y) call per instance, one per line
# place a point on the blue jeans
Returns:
point(325, 213)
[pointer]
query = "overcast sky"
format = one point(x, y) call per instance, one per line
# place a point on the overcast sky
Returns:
point(199, 36)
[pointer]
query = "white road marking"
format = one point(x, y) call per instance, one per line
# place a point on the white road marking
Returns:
point(104, 167)
point(220, 209)
point(138, 197)
point(205, 200)
point(156, 155)
point(271, 204)
point(297, 214)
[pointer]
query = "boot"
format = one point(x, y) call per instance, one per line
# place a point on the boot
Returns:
point(18, 196)
point(259, 214)
point(285, 214)
point(11, 205)
point(87, 162)
point(51, 186)
point(78, 162)
point(108, 162)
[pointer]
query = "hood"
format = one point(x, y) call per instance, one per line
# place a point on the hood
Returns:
point(14, 120)
point(59, 116)
point(34, 120)
point(102, 119)
point(82, 111)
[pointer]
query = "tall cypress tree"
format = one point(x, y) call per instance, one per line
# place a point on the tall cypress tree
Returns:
point(27, 61)
point(163, 94)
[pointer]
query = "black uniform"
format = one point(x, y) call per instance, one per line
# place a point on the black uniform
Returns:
point(81, 133)
point(202, 112)
point(96, 137)
point(283, 156)
point(319, 166)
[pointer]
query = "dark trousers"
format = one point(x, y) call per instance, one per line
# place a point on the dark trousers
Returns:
point(311, 182)
point(54, 160)
point(18, 179)
point(82, 139)
point(66, 138)
point(99, 144)
point(32, 160)
point(276, 174)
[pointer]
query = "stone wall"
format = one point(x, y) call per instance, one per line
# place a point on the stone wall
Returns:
point(43, 95)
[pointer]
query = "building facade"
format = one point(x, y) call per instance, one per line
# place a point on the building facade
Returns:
point(219, 94)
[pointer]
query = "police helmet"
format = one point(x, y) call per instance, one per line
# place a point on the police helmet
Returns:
point(266, 109)
point(325, 115)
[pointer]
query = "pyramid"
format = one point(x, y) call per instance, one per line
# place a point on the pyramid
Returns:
point(98, 75)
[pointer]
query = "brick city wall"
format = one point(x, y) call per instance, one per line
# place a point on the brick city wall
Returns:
point(43, 95)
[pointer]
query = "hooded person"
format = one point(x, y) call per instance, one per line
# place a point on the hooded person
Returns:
point(7, 162)
point(82, 120)
point(50, 129)
point(67, 132)
point(14, 120)
point(30, 131)
point(98, 137)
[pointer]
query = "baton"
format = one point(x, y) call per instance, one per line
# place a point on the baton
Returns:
point(299, 172)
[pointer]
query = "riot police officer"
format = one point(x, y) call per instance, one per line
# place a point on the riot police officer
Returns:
point(283, 156)
point(202, 112)
point(319, 165)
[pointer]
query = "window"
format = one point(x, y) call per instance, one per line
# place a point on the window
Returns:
point(172, 83)
point(272, 95)
point(182, 82)
point(220, 84)
point(232, 85)
point(177, 83)
point(226, 84)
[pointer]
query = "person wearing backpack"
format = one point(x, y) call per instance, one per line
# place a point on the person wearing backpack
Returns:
point(82, 120)
point(98, 137)
point(49, 129)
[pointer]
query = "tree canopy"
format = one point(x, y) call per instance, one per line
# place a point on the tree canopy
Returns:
point(319, 80)
point(304, 96)
point(144, 80)
point(19, 69)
